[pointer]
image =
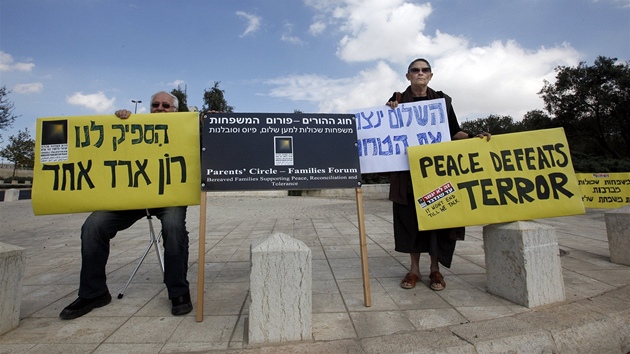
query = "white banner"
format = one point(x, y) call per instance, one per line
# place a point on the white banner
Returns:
point(383, 134)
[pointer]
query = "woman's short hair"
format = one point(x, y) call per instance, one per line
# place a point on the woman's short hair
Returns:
point(417, 60)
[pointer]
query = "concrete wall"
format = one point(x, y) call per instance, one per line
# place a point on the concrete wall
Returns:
point(369, 191)
point(6, 171)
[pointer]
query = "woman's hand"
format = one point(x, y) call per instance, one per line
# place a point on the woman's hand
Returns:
point(484, 134)
point(392, 104)
point(463, 135)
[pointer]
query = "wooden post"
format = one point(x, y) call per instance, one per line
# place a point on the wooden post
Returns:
point(363, 243)
point(201, 263)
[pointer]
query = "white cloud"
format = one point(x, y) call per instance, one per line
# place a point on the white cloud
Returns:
point(622, 3)
point(253, 22)
point(501, 78)
point(34, 87)
point(176, 83)
point(7, 64)
point(339, 95)
point(288, 37)
point(390, 30)
point(291, 39)
point(498, 78)
point(96, 101)
point(316, 28)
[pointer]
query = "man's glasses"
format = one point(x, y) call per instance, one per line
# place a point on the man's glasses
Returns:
point(417, 70)
point(157, 104)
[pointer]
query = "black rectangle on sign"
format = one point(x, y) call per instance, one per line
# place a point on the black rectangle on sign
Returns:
point(279, 151)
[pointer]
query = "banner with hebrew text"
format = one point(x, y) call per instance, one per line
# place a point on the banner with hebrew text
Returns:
point(518, 176)
point(605, 190)
point(384, 134)
point(88, 163)
point(279, 151)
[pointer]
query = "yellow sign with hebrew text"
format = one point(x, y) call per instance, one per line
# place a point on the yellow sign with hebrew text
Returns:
point(605, 190)
point(88, 163)
point(518, 176)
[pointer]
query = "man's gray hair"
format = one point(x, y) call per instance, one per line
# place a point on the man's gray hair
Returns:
point(175, 100)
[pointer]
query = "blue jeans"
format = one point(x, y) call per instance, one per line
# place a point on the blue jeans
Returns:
point(101, 226)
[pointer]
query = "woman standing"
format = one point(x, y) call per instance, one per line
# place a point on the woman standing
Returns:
point(440, 244)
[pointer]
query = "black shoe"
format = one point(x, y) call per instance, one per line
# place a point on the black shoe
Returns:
point(81, 306)
point(181, 305)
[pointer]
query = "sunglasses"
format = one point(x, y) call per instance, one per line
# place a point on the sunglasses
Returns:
point(417, 70)
point(164, 105)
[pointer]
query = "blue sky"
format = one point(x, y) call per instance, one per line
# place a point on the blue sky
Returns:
point(85, 57)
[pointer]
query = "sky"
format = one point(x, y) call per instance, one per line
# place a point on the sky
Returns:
point(89, 57)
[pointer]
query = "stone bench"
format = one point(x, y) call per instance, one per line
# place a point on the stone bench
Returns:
point(11, 275)
point(618, 232)
point(523, 263)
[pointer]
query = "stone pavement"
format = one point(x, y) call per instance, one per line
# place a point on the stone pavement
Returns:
point(463, 318)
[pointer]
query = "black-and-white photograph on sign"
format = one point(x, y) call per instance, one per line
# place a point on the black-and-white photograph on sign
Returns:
point(279, 151)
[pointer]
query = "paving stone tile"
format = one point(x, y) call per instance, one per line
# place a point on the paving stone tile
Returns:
point(434, 318)
point(332, 326)
point(380, 323)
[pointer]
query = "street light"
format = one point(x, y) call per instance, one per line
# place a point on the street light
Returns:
point(136, 102)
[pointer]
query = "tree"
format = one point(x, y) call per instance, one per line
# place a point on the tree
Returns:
point(494, 124)
point(536, 119)
point(214, 100)
point(6, 110)
point(182, 96)
point(20, 150)
point(592, 103)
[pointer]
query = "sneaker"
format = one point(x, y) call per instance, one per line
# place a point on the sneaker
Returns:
point(81, 306)
point(181, 305)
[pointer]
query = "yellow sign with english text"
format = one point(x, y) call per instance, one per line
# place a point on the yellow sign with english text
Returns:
point(89, 163)
point(518, 176)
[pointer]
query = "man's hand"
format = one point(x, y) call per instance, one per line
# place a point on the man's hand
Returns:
point(123, 113)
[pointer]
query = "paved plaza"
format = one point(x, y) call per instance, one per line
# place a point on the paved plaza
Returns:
point(464, 318)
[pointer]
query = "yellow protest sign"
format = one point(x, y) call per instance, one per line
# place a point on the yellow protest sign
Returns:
point(604, 190)
point(519, 176)
point(88, 163)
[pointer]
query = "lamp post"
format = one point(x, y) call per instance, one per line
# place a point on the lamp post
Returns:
point(136, 102)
